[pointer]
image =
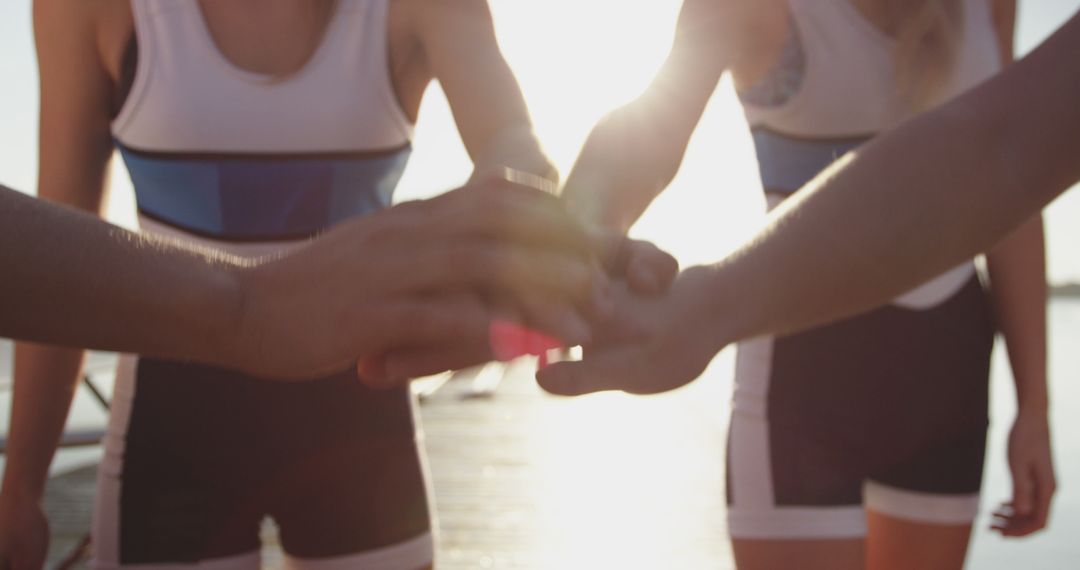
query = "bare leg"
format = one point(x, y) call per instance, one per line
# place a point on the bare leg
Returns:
point(897, 543)
point(846, 554)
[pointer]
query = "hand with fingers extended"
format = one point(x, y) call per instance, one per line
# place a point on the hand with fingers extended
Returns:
point(651, 343)
point(417, 283)
point(1032, 469)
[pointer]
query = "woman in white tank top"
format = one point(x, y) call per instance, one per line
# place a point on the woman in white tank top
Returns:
point(859, 444)
point(250, 126)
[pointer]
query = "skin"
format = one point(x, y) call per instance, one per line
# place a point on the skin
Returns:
point(715, 36)
point(974, 170)
point(259, 317)
point(244, 314)
point(81, 46)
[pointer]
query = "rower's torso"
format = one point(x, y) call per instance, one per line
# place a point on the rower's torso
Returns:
point(274, 39)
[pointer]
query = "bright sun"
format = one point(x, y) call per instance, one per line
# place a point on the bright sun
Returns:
point(578, 60)
point(575, 61)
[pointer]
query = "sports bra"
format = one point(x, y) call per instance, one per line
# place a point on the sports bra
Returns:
point(833, 88)
point(847, 87)
point(236, 157)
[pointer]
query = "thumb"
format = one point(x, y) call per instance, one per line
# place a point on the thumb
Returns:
point(611, 369)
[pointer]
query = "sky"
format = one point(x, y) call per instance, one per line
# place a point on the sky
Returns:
point(575, 59)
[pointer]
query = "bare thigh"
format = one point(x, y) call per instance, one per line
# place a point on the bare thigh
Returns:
point(897, 543)
point(846, 554)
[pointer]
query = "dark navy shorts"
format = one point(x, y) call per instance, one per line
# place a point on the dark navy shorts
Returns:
point(886, 411)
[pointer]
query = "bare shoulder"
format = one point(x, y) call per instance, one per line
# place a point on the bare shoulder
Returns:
point(53, 19)
point(754, 33)
point(92, 28)
point(423, 13)
point(738, 17)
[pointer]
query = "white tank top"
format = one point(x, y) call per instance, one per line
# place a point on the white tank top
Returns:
point(844, 93)
point(247, 162)
point(188, 97)
point(848, 87)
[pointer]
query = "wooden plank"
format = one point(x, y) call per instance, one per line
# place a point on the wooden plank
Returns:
point(528, 481)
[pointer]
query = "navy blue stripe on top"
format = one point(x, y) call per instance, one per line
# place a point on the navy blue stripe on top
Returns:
point(261, 197)
point(787, 162)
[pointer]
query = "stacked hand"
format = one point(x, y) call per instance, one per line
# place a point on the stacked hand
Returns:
point(650, 344)
point(414, 290)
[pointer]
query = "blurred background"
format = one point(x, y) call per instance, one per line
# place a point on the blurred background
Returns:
point(613, 480)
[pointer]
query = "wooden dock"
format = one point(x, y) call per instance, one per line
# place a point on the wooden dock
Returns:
point(526, 481)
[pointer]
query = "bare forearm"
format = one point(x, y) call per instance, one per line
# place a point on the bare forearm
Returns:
point(625, 164)
point(933, 192)
point(1017, 269)
point(73, 280)
point(634, 152)
point(460, 49)
point(45, 380)
point(516, 148)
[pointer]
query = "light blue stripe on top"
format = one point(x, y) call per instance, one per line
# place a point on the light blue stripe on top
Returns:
point(252, 197)
point(787, 163)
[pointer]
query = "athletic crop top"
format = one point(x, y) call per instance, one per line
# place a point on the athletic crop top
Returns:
point(229, 155)
point(834, 87)
point(837, 87)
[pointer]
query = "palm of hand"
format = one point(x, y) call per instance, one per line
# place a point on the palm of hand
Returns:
point(649, 345)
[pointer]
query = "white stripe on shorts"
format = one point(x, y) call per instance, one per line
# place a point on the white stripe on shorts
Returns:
point(932, 508)
point(412, 554)
point(751, 464)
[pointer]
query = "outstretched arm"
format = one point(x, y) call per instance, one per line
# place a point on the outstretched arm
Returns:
point(939, 189)
point(458, 47)
point(74, 280)
point(936, 190)
point(635, 151)
point(407, 279)
point(371, 283)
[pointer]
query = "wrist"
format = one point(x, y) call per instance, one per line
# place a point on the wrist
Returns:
point(1032, 396)
point(1033, 407)
point(21, 492)
point(728, 313)
point(707, 310)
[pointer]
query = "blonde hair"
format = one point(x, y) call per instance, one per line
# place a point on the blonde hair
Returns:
point(928, 35)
